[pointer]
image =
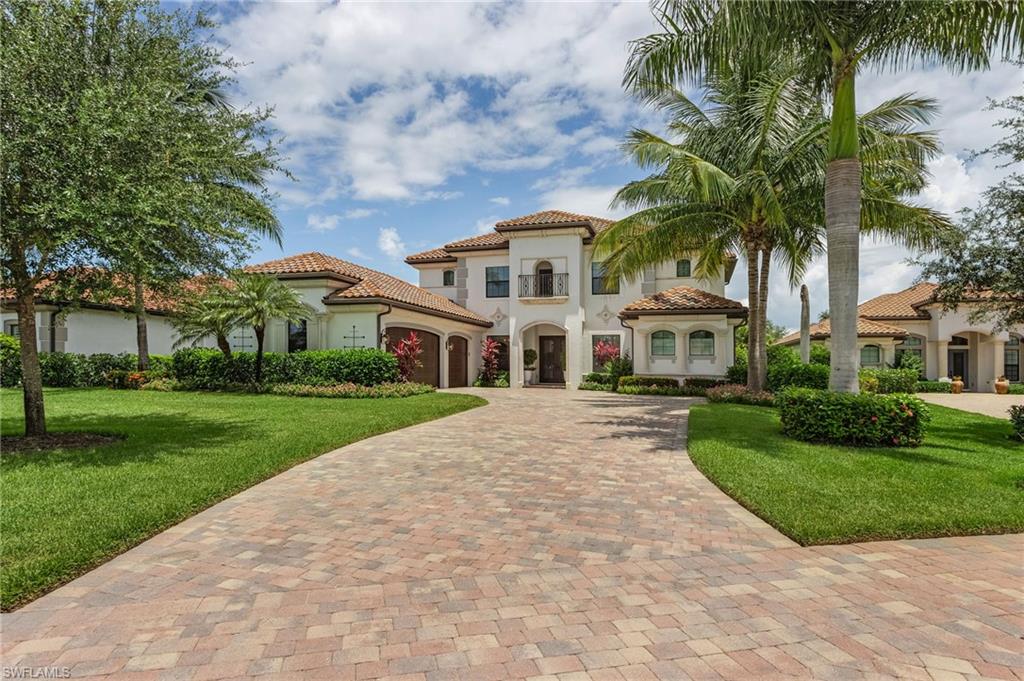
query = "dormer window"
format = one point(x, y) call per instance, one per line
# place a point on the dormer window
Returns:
point(683, 268)
point(448, 278)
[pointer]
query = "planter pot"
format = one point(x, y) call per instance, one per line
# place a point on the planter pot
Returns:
point(528, 373)
point(957, 386)
point(1002, 386)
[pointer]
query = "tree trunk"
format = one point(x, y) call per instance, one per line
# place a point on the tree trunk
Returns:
point(762, 316)
point(259, 353)
point(223, 344)
point(754, 381)
point(842, 227)
point(31, 373)
point(805, 325)
point(141, 336)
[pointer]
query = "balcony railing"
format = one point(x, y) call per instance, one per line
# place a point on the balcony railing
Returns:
point(544, 285)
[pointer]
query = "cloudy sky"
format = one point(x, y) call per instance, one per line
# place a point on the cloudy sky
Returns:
point(407, 125)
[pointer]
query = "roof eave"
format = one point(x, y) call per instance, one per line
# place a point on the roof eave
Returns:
point(406, 306)
point(727, 311)
point(429, 261)
point(501, 229)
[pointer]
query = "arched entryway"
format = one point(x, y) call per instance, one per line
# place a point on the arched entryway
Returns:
point(429, 370)
point(458, 362)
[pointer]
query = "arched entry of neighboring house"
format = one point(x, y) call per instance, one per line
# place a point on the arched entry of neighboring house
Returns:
point(458, 362)
point(430, 370)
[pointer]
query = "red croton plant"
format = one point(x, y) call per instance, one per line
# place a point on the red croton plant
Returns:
point(489, 351)
point(408, 352)
point(605, 352)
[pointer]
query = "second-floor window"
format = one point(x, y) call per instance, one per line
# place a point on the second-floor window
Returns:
point(682, 268)
point(497, 282)
point(448, 278)
point(600, 283)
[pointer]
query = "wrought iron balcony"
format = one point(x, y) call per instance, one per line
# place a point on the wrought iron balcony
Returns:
point(545, 285)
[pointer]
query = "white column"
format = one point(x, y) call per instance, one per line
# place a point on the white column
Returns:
point(641, 350)
point(515, 356)
point(998, 358)
point(942, 358)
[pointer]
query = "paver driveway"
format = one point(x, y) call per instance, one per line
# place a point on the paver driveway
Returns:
point(550, 534)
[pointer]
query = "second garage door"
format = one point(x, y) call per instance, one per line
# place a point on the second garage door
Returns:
point(430, 371)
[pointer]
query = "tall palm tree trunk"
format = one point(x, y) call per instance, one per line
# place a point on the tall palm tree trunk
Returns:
point(754, 380)
point(31, 372)
point(259, 330)
point(762, 316)
point(141, 334)
point(842, 229)
point(805, 324)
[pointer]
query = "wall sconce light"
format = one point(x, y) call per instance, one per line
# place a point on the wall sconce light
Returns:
point(449, 346)
point(384, 338)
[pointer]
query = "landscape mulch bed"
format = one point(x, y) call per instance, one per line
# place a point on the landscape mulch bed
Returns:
point(10, 444)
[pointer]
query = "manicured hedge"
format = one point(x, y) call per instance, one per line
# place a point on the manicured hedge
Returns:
point(739, 394)
point(598, 377)
point(210, 369)
point(887, 381)
point(863, 419)
point(650, 381)
point(676, 391)
point(1016, 389)
point(933, 387)
point(352, 390)
point(591, 385)
point(787, 375)
point(72, 370)
point(699, 382)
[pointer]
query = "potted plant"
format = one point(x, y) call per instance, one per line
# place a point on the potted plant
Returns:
point(957, 385)
point(1002, 385)
point(529, 360)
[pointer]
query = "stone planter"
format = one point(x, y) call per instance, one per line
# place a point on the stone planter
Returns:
point(1002, 385)
point(957, 385)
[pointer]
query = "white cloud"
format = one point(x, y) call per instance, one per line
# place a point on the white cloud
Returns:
point(359, 213)
point(390, 243)
point(501, 200)
point(485, 225)
point(356, 252)
point(322, 223)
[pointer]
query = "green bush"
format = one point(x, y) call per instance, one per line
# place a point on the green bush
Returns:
point(163, 385)
point(820, 354)
point(119, 379)
point(739, 394)
point(598, 377)
point(700, 382)
point(676, 391)
point(65, 370)
point(617, 368)
point(933, 387)
point(864, 419)
point(594, 385)
point(205, 368)
point(501, 380)
point(352, 390)
point(101, 363)
point(10, 360)
point(651, 381)
point(1017, 420)
point(785, 375)
point(887, 381)
point(1016, 389)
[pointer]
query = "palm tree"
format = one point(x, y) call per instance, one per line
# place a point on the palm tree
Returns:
point(210, 314)
point(255, 299)
point(746, 174)
point(832, 40)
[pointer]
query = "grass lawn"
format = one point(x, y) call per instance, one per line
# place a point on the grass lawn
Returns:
point(65, 511)
point(967, 477)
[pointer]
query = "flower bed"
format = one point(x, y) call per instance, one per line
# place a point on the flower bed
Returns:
point(740, 394)
point(865, 419)
point(352, 390)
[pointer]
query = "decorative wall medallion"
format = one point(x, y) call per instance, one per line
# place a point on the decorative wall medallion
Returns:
point(606, 314)
point(498, 315)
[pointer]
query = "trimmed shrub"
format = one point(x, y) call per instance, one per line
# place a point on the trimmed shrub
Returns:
point(597, 377)
point(651, 381)
point(501, 380)
point(933, 387)
point(863, 420)
point(820, 354)
point(1017, 420)
point(785, 375)
point(10, 360)
point(699, 382)
point(119, 379)
point(887, 381)
point(1016, 389)
point(204, 368)
point(617, 368)
point(739, 394)
point(163, 385)
point(65, 370)
point(671, 391)
point(352, 390)
point(101, 363)
point(594, 385)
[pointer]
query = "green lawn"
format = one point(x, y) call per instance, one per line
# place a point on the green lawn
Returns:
point(967, 478)
point(64, 512)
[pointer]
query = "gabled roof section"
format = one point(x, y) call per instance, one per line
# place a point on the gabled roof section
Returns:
point(366, 286)
point(433, 255)
point(900, 305)
point(683, 300)
point(93, 293)
point(866, 328)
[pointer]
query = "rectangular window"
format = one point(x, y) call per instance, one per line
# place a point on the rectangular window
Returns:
point(1011, 364)
point(682, 268)
point(297, 336)
point(449, 278)
point(599, 283)
point(702, 344)
point(663, 344)
point(870, 356)
point(497, 282)
point(502, 342)
point(13, 329)
point(611, 339)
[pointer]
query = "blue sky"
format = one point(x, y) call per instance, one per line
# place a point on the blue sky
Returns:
point(408, 125)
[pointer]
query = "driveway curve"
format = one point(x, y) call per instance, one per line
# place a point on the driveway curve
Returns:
point(550, 534)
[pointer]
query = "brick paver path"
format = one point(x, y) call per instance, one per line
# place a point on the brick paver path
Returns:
point(551, 535)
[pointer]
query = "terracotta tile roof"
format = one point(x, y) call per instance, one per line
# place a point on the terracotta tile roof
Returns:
point(899, 305)
point(154, 302)
point(866, 328)
point(433, 255)
point(548, 218)
point(682, 300)
point(481, 240)
point(367, 285)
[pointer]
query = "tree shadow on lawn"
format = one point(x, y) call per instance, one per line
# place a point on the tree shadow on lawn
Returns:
point(140, 438)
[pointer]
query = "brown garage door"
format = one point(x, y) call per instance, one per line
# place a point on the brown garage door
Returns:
point(430, 371)
point(458, 360)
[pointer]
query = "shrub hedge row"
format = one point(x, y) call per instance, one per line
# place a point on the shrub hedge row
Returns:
point(865, 419)
point(798, 375)
point(739, 394)
point(887, 381)
point(649, 381)
point(210, 369)
point(933, 387)
point(352, 390)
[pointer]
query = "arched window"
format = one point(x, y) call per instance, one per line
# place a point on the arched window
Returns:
point(870, 356)
point(449, 278)
point(683, 268)
point(1011, 358)
point(663, 344)
point(702, 344)
point(958, 340)
point(545, 279)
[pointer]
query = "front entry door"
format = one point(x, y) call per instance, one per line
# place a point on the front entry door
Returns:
point(958, 365)
point(552, 357)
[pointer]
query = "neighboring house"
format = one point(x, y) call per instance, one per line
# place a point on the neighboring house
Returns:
point(535, 282)
point(947, 341)
point(89, 327)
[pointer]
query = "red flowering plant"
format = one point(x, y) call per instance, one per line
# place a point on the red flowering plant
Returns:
point(489, 351)
point(408, 352)
point(604, 352)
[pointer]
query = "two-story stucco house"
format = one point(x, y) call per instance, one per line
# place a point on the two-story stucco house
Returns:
point(948, 342)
